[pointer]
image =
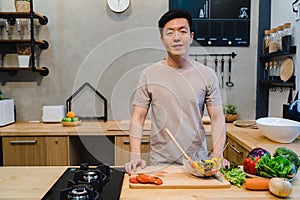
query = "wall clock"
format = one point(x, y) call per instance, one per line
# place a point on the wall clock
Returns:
point(118, 5)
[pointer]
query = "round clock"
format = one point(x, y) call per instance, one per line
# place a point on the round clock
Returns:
point(118, 5)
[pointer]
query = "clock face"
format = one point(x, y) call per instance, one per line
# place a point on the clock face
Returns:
point(118, 5)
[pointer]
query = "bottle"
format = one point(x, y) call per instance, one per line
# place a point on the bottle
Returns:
point(279, 35)
point(286, 37)
point(276, 71)
point(273, 45)
point(266, 71)
point(266, 42)
point(271, 71)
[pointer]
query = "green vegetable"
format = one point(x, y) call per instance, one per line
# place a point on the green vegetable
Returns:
point(234, 174)
point(289, 155)
point(277, 166)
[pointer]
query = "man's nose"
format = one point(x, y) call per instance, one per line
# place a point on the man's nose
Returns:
point(176, 36)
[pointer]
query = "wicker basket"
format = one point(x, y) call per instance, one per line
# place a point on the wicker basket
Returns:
point(22, 6)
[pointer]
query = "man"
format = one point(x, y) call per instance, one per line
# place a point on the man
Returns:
point(176, 88)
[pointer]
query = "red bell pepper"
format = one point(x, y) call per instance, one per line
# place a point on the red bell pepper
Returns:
point(250, 163)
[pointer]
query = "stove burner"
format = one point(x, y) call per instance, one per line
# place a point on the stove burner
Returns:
point(89, 176)
point(87, 183)
point(80, 192)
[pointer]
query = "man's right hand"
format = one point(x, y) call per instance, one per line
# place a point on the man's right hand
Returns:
point(133, 164)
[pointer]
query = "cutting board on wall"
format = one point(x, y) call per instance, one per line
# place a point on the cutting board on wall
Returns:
point(174, 177)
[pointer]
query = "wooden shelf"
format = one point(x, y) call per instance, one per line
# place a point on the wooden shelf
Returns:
point(43, 20)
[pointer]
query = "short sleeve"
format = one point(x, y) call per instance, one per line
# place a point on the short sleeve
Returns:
point(142, 96)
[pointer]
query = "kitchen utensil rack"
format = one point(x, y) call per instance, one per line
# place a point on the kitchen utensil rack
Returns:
point(10, 46)
point(232, 55)
point(86, 84)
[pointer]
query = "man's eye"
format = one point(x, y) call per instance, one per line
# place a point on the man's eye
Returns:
point(169, 33)
point(183, 31)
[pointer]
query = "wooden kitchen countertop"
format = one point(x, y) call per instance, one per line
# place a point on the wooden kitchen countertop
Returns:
point(252, 138)
point(32, 183)
point(27, 183)
point(56, 129)
point(109, 128)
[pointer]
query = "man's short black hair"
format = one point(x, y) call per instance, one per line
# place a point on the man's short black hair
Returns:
point(173, 14)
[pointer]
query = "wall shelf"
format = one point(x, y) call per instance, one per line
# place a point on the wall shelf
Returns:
point(8, 46)
point(11, 16)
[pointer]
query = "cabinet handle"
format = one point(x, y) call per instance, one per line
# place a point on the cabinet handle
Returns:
point(143, 141)
point(234, 149)
point(23, 142)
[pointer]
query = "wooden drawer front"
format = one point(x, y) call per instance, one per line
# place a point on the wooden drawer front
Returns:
point(122, 150)
point(57, 151)
point(24, 151)
point(234, 152)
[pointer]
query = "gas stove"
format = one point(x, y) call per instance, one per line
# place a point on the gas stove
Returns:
point(88, 183)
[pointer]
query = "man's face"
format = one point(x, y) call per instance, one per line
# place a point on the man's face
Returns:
point(177, 36)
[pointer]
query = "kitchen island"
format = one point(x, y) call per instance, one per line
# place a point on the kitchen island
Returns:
point(32, 183)
point(15, 184)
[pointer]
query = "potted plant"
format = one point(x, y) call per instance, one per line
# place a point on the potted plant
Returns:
point(24, 53)
point(230, 111)
point(22, 5)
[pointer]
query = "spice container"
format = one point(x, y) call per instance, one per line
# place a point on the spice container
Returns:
point(266, 71)
point(266, 42)
point(276, 71)
point(271, 71)
point(286, 37)
point(279, 35)
point(273, 45)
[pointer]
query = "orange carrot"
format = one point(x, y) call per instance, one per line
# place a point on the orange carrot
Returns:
point(257, 184)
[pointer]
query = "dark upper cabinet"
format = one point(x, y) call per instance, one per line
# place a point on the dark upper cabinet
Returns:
point(218, 23)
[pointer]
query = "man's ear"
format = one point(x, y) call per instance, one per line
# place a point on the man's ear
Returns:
point(192, 37)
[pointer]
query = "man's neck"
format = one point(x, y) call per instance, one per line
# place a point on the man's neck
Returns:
point(178, 61)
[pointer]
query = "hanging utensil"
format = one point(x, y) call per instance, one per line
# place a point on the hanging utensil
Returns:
point(205, 61)
point(229, 83)
point(216, 64)
point(222, 71)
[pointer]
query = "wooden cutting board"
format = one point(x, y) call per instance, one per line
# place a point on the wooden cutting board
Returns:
point(174, 177)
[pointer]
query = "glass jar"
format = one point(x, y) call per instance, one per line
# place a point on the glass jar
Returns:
point(266, 42)
point(273, 45)
point(271, 71)
point(266, 71)
point(279, 35)
point(286, 37)
point(276, 71)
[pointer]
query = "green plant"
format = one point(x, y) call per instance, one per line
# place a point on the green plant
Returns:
point(230, 109)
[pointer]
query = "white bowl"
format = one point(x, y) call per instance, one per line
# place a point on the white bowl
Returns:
point(279, 129)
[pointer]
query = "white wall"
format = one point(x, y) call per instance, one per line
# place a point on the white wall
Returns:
point(281, 12)
point(89, 42)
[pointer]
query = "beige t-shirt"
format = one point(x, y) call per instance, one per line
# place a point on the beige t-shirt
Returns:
point(176, 98)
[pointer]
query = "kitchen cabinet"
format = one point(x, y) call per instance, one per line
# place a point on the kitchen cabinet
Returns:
point(9, 46)
point(122, 150)
point(35, 151)
point(235, 152)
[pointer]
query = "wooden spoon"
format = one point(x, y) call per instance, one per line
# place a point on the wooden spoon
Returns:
point(178, 145)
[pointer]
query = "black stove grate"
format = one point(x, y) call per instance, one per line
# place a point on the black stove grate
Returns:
point(111, 190)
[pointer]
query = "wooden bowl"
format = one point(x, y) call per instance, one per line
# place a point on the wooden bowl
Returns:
point(231, 118)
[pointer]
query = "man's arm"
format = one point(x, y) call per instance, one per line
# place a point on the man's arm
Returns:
point(135, 136)
point(218, 128)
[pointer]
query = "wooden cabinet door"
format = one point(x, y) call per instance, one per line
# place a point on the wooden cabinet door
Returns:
point(57, 151)
point(234, 152)
point(29, 151)
point(122, 150)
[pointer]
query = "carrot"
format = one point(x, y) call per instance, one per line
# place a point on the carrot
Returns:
point(133, 180)
point(257, 184)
